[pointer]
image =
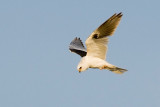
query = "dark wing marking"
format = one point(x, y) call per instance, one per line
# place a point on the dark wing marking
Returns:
point(77, 47)
point(108, 27)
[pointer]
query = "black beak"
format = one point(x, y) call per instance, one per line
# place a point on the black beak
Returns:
point(80, 69)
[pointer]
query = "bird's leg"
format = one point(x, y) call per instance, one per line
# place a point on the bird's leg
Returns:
point(103, 67)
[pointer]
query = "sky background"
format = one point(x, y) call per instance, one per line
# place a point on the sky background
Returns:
point(37, 69)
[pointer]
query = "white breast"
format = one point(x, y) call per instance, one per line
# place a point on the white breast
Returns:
point(94, 62)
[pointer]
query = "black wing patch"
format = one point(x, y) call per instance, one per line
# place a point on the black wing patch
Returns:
point(77, 47)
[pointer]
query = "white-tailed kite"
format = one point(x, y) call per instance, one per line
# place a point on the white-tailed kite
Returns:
point(95, 54)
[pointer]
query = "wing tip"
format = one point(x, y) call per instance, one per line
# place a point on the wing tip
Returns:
point(119, 15)
point(76, 38)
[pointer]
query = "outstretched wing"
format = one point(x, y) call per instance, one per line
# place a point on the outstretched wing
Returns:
point(97, 41)
point(77, 47)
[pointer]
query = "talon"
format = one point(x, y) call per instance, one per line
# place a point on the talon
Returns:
point(103, 67)
point(100, 68)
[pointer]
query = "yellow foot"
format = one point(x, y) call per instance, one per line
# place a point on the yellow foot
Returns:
point(103, 67)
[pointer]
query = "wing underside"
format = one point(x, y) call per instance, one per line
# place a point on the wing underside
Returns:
point(97, 41)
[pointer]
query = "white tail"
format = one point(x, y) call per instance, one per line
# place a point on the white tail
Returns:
point(116, 70)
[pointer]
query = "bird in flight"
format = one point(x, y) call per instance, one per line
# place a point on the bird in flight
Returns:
point(95, 54)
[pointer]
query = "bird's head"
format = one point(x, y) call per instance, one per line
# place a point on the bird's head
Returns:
point(81, 68)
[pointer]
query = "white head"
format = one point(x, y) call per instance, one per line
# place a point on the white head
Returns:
point(83, 65)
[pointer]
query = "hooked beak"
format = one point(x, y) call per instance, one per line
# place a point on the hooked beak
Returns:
point(80, 69)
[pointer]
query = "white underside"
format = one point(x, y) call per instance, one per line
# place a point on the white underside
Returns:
point(92, 62)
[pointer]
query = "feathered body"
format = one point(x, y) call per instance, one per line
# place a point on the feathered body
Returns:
point(94, 62)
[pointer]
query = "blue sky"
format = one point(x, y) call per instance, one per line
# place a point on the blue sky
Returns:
point(37, 69)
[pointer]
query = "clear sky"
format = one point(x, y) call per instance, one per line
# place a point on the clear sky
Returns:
point(37, 69)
